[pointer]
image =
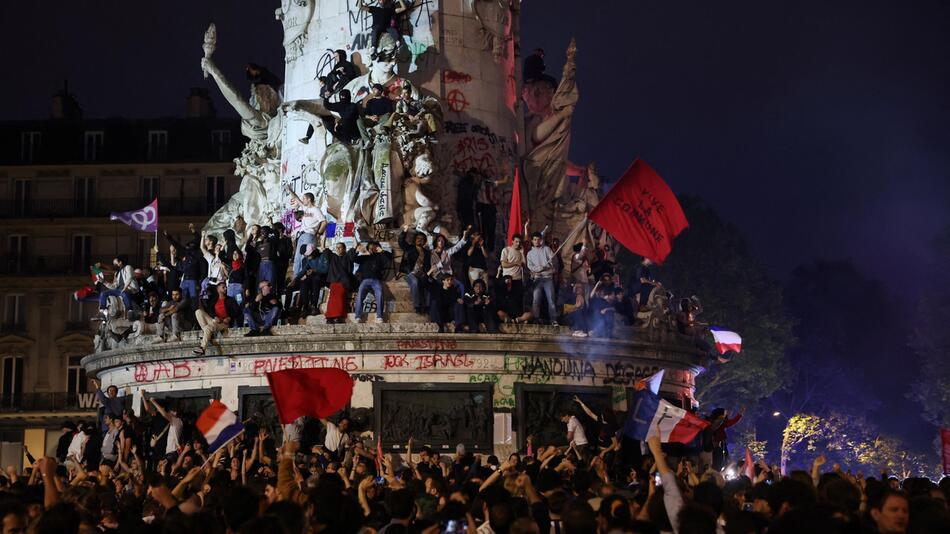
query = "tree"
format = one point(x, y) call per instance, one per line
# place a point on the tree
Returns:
point(930, 340)
point(711, 260)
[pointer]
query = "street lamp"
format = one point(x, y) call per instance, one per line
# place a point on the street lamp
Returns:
point(776, 414)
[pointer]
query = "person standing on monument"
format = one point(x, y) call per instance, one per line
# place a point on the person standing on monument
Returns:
point(373, 262)
point(343, 71)
point(344, 127)
point(540, 261)
point(385, 19)
point(313, 223)
point(416, 262)
point(340, 279)
point(512, 265)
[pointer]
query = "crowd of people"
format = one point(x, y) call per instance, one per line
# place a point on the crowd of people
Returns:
point(155, 474)
point(213, 284)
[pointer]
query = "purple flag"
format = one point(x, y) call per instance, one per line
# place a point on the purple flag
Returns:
point(143, 220)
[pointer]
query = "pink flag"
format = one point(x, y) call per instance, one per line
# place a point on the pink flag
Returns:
point(143, 220)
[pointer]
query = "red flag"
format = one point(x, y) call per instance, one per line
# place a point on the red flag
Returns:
point(514, 216)
point(749, 466)
point(641, 212)
point(945, 441)
point(379, 457)
point(315, 392)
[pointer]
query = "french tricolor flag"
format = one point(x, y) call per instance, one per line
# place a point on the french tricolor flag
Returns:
point(650, 414)
point(219, 425)
point(726, 340)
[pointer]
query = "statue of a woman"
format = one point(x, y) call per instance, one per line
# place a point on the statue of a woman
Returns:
point(258, 200)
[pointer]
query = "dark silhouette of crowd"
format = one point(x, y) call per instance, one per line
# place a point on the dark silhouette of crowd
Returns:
point(154, 473)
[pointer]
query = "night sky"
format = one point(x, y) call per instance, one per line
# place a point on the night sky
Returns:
point(821, 129)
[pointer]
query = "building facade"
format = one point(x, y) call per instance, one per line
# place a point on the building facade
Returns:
point(59, 180)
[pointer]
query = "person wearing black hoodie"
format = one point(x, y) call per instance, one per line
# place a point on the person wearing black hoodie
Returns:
point(191, 266)
point(340, 280)
point(343, 71)
point(373, 262)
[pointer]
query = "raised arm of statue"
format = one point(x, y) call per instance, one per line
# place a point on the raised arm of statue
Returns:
point(231, 94)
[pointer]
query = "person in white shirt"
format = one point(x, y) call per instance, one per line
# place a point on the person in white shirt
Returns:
point(512, 264)
point(337, 440)
point(540, 261)
point(313, 223)
point(77, 445)
point(211, 251)
point(174, 426)
point(576, 437)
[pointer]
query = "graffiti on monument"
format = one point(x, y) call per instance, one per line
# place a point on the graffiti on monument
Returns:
point(441, 415)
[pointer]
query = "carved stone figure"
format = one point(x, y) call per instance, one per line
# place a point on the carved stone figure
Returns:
point(114, 329)
point(258, 199)
point(547, 137)
point(495, 18)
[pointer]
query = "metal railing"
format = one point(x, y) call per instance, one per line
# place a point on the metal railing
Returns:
point(47, 401)
point(31, 265)
point(100, 207)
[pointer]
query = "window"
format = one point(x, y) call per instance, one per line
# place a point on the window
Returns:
point(143, 252)
point(85, 197)
point(92, 150)
point(75, 376)
point(214, 194)
point(17, 247)
point(220, 142)
point(150, 189)
point(82, 253)
point(30, 146)
point(11, 379)
point(14, 314)
point(157, 144)
point(22, 201)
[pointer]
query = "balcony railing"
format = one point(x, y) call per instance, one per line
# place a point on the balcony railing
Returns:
point(43, 265)
point(100, 207)
point(48, 401)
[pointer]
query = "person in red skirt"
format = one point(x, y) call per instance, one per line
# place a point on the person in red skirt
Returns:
point(340, 280)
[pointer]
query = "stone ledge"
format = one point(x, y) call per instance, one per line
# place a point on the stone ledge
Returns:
point(351, 338)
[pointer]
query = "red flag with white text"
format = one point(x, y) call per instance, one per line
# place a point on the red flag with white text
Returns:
point(641, 212)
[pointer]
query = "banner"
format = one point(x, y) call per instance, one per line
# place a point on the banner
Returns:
point(642, 213)
point(143, 220)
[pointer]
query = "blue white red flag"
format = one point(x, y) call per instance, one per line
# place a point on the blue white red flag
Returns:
point(331, 230)
point(650, 414)
point(143, 220)
point(219, 425)
point(726, 340)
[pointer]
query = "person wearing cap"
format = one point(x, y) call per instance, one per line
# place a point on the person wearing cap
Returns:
point(372, 263)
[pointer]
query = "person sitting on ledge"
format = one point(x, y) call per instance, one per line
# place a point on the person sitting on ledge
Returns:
point(123, 285)
point(310, 279)
point(511, 302)
point(217, 313)
point(176, 314)
point(446, 302)
point(262, 312)
point(344, 127)
point(479, 309)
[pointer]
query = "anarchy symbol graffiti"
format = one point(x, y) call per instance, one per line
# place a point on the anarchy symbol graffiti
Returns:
point(456, 101)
